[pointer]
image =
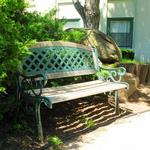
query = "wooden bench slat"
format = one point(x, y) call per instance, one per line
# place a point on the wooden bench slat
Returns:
point(61, 44)
point(73, 86)
point(73, 91)
point(70, 94)
point(70, 74)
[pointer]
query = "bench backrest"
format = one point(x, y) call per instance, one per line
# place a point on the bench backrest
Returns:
point(60, 59)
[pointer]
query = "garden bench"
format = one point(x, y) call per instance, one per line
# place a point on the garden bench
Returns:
point(54, 60)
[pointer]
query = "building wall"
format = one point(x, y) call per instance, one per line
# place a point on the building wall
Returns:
point(121, 8)
point(41, 6)
point(139, 10)
point(142, 30)
point(67, 11)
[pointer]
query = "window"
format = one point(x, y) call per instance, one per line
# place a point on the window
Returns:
point(121, 30)
point(72, 23)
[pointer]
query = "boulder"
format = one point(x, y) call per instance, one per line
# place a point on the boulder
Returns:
point(133, 82)
point(108, 50)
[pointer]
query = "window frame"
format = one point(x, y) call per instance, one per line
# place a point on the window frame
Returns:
point(72, 20)
point(130, 19)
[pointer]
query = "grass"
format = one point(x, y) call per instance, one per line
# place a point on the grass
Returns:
point(129, 61)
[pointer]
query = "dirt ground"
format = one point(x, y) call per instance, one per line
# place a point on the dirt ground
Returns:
point(67, 120)
point(140, 100)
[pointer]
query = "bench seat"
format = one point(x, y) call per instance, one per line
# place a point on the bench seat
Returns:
point(69, 92)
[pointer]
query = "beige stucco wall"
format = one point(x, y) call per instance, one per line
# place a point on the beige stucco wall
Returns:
point(67, 11)
point(142, 30)
point(41, 6)
point(121, 8)
point(140, 11)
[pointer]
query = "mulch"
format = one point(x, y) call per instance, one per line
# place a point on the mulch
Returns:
point(66, 120)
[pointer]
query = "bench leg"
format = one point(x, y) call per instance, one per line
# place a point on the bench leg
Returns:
point(38, 121)
point(116, 103)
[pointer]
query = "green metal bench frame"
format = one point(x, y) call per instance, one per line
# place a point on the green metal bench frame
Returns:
point(52, 60)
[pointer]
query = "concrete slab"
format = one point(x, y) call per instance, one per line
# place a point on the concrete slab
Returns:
point(130, 133)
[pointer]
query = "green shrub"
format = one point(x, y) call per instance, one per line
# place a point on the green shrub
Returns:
point(18, 30)
point(55, 141)
point(75, 35)
point(129, 61)
point(42, 27)
point(127, 53)
point(89, 123)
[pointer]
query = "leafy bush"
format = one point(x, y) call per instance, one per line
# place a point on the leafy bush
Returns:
point(75, 35)
point(10, 47)
point(127, 53)
point(18, 30)
point(42, 27)
point(89, 123)
point(129, 61)
point(55, 141)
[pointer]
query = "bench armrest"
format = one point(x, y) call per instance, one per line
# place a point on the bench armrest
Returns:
point(112, 74)
point(29, 84)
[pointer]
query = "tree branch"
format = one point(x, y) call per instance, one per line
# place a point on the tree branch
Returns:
point(79, 8)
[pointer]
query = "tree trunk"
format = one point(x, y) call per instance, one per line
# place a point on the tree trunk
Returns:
point(90, 13)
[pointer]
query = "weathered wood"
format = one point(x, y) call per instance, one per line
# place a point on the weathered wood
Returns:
point(65, 93)
point(79, 86)
point(70, 74)
point(60, 43)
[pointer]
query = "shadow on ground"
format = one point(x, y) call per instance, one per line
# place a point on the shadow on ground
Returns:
point(142, 94)
point(65, 120)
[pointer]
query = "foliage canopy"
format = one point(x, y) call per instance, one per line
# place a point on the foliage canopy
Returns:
point(18, 30)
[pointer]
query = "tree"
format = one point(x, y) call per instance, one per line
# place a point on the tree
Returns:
point(89, 13)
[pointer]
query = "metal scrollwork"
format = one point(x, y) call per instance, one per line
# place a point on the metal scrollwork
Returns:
point(117, 73)
point(30, 84)
point(111, 74)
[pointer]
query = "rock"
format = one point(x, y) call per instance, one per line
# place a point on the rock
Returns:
point(108, 50)
point(133, 82)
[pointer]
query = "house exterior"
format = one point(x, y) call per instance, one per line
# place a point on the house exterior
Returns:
point(127, 21)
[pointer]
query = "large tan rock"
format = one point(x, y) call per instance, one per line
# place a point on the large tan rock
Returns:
point(133, 82)
point(108, 50)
